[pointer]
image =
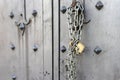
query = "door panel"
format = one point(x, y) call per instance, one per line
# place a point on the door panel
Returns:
point(47, 20)
point(34, 33)
point(39, 32)
point(12, 62)
point(102, 31)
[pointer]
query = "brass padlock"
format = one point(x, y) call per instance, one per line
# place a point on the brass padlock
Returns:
point(79, 48)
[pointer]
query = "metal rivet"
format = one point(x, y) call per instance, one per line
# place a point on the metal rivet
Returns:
point(97, 50)
point(22, 26)
point(63, 9)
point(12, 46)
point(34, 13)
point(13, 77)
point(35, 48)
point(11, 15)
point(99, 5)
point(63, 49)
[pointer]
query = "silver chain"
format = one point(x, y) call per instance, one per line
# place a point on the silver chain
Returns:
point(75, 16)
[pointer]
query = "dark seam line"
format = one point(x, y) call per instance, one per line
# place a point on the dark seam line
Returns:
point(52, 4)
point(25, 10)
point(59, 39)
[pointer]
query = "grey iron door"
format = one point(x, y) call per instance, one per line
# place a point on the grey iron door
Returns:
point(25, 40)
point(102, 32)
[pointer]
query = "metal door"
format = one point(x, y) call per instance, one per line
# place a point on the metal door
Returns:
point(35, 55)
point(26, 40)
point(103, 33)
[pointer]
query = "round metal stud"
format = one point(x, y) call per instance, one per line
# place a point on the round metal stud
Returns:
point(63, 9)
point(11, 15)
point(35, 48)
point(97, 50)
point(99, 5)
point(12, 46)
point(34, 13)
point(63, 49)
point(13, 77)
point(22, 26)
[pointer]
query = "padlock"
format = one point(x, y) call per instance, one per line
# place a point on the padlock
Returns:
point(79, 48)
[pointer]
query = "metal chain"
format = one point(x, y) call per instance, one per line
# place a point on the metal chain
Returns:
point(75, 18)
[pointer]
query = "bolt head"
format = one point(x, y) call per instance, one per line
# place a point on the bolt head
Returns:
point(12, 46)
point(35, 48)
point(99, 5)
point(63, 9)
point(11, 15)
point(34, 13)
point(63, 49)
point(13, 77)
point(97, 50)
point(22, 26)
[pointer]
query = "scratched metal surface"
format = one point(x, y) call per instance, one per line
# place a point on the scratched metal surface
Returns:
point(102, 31)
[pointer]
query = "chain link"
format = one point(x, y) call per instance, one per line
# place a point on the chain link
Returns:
point(75, 16)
